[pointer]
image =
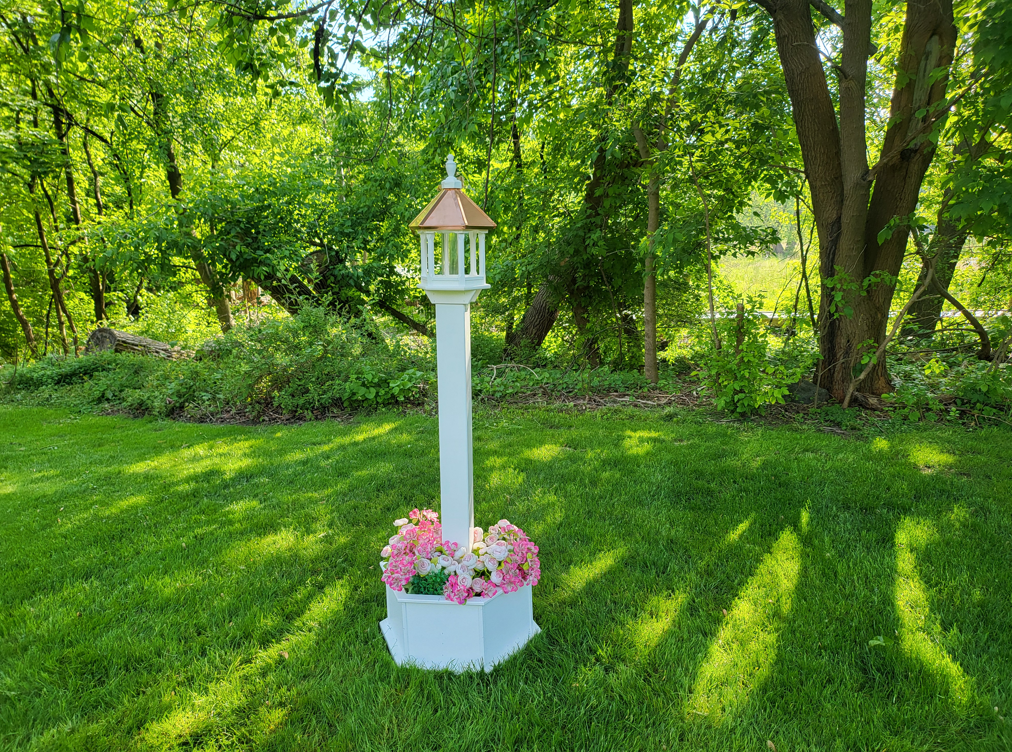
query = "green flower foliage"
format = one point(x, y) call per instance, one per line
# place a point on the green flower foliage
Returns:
point(430, 584)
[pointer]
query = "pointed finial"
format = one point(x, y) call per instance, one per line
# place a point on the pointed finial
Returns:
point(451, 180)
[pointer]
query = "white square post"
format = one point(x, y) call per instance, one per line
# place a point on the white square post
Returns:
point(428, 630)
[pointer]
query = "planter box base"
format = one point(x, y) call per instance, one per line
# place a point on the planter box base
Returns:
point(430, 632)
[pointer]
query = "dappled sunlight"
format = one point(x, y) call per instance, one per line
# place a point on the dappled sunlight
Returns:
point(359, 435)
point(124, 504)
point(638, 442)
point(544, 453)
point(280, 543)
point(658, 614)
point(745, 649)
point(735, 534)
point(880, 444)
point(223, 458)
point(920, 633)
point(198, 712)
point(579, 576)
point(928, 457)
point(500, 475)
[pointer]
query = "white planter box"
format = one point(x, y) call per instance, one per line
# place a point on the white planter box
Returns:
point(431, 632)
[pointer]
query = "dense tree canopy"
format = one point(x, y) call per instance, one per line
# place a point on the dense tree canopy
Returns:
point(623, 149)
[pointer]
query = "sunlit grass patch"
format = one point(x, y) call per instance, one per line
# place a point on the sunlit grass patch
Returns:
point(742, 654)
point(920, 634)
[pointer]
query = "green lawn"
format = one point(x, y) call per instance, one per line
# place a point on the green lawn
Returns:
point(180, 586)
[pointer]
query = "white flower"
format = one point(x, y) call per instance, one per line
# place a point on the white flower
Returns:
point(480, 566)
point(405, 528)
point(496, 577)
point(463, 571)
point(401, 522)
point(452, 569)
point(500, 550)
point(469, 560)
point(490, 562)
point(477, 584)
point(394, 539)
point(460, 553)
point(445, 562)
point(385, 553)
point(503, 523)
point(423, 566)
point(490, 539)
point(477, 534)
point(464, 580)
point(479, 546)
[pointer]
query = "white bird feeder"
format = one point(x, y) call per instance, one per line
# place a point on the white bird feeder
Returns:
point(428, 630)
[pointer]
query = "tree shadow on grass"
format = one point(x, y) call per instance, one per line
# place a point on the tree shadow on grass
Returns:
point(647, 534)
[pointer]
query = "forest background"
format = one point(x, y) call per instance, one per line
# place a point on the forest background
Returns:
point(237, 178)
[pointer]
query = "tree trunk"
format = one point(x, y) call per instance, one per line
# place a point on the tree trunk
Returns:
point(946, 243)
point(537, 322)
point(649, 152)
point(54, 282)
point(104, 339)
point(650, 283)
point(217, 295)
point(852, 203)
point(564, 278)
point(96, 279)
point(26, 326)
point(945, 246)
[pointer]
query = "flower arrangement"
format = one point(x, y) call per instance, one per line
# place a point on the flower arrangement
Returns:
point(418, 561)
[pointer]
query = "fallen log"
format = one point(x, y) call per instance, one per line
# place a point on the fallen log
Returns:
point(105, 339)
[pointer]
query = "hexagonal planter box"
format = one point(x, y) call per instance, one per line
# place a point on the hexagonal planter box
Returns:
point(431, 632)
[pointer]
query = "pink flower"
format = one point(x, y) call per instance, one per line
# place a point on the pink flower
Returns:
point(477, 534)
point(499, 551)
point(488, 591)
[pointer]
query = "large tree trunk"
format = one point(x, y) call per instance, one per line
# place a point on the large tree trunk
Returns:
point(852, 203)
point(26, 326)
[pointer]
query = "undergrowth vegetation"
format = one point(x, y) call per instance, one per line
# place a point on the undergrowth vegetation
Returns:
point(314, 364)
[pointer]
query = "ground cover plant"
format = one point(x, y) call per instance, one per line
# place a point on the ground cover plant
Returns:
point(704, 586)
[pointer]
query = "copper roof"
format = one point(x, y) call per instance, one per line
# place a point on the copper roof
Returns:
point(451, 209)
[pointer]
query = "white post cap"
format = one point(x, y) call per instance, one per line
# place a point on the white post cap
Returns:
point(451, 180)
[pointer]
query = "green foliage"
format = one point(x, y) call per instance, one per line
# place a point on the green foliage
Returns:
point(951, 389)
point(430, 584)
point(743, 374)
point(300, 365)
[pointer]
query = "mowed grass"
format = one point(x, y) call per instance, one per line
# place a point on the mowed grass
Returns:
point(706, 586)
